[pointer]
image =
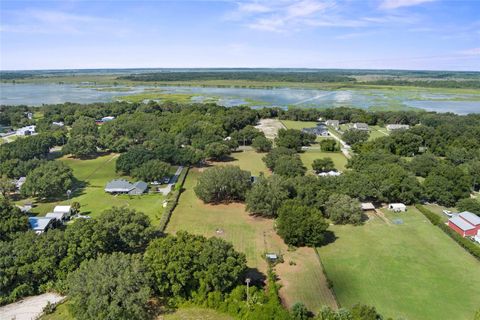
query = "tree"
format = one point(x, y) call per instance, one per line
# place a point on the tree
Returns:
point(329, 145)
point(271, 158)
point(223, 184)
point(246, 135)
point(152, 170)
point(469, 204)
point(262, 144)
point(75, 207)
point(52, 178)
point(12, 220)
point(81, 146)
point(6, 186)
point(83, 138)
point(300, 225)
point(323, 165)
point(353, 136)
point(342, 209)
point(217, 150)
point(300, 312)
point(447, 184)
point(289, 166)
point(293, 139)
point(133, 158)
point(267, 195)
point(185, 263)
point(421, 165)
point(110, 287)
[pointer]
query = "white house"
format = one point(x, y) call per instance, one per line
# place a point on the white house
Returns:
point(333, 123)
point(106, 119)
point(330, 174)
point(360, 126)
point(63, 211)
point(26, 131)
point(397, 207)
point(393, 127)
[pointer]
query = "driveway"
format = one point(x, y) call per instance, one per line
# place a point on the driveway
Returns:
point(29, 308)
point(165, 191)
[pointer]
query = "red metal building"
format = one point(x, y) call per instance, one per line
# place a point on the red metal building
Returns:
point(465, 224)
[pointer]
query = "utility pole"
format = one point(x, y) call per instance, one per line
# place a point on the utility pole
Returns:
point(247, 281)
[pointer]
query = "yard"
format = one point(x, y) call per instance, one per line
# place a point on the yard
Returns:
point(410, 270)
point(310, 155)
point(95, 174)
point(253, 236)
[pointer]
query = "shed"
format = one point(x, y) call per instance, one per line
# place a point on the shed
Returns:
point(461, 226)
point(393, 127)
point(366, 206)
point(330, 174)
point(40, 224)
point(63, 209)
point(397, 207)
point(272, 257)
point(60, 216)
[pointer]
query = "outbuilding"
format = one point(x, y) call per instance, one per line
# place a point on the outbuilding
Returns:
point(465, 224)
point(40, 224)
point(123, 186)
point(397, 207)
point(393, 127)
point(367, 206)
point(360, 126)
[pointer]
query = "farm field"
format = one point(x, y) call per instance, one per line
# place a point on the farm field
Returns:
point(253, 236)
point(405, 270)
point(95, 173)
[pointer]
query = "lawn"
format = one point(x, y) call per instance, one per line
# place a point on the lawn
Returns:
point(309, 155)
point(411, 271)
point(95, 173)
point(253, 236)
point(377, 132)
point(299, 125)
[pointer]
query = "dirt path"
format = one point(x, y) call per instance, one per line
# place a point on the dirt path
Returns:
point(29, 308)
point(270, 127)
point(344, 146)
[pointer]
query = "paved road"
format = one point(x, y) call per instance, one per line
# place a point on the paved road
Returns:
point(29, 308)
point(165, 191)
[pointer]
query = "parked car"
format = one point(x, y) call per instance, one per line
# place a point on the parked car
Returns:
point(448, 213)
point(166, 180)
point(156, 183)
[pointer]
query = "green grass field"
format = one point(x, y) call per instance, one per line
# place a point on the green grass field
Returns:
point(409, 271)
point(95, 173)
point(310, 155)
point(253, 236)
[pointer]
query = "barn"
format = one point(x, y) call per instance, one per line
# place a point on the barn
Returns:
point(465, 224)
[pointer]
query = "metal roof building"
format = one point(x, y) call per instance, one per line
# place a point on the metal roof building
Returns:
point(123, 186)
point(40, 224)
point(465, 224)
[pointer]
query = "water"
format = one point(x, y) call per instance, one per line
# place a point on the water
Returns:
point(38, 94)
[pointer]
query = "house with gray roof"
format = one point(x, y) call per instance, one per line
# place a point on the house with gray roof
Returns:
point(360, 126)
point(123, 186)
point(40, 224)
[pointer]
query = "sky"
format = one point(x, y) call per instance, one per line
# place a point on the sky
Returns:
point(363, 34)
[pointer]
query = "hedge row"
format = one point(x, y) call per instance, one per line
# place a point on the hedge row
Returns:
point(465, 243)
point(172, 202)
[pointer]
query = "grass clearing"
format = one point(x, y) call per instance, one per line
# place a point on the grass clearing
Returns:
point(310, 155)
point(195, 313)
point(253, 236)
point(95, 173)
point(412, 270)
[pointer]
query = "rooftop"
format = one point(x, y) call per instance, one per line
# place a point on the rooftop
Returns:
point(470, 217)
point(62, 209)
point(462, 224)
point(39, 223)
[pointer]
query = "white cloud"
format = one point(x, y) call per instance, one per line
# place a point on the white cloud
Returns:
point(394, 4)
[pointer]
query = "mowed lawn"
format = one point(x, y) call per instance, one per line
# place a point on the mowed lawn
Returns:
point(310, 155)
point(410, 271)
point(95, 173)
point(253, 236)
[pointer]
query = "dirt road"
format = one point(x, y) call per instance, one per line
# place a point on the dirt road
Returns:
point(29, 308)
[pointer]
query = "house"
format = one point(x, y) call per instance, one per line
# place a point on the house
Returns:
point(26, 131)
point(66, 211)
point(106, 119)
point(393, 127)
point(330, 174)
point(367, 206)
point(465, 224)
point(397, 207)
point(19, 182)
point(59, 216)
point(333, 123)
point(319, 130)
point(40, 224)
point(360, 126)
point(123, 186)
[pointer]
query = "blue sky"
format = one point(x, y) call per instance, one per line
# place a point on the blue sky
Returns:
point(397, 34)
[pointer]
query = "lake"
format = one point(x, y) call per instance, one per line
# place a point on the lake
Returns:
point(38, 94)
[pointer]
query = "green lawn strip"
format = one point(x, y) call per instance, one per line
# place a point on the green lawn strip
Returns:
point(195, 313)
point(404, 270)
